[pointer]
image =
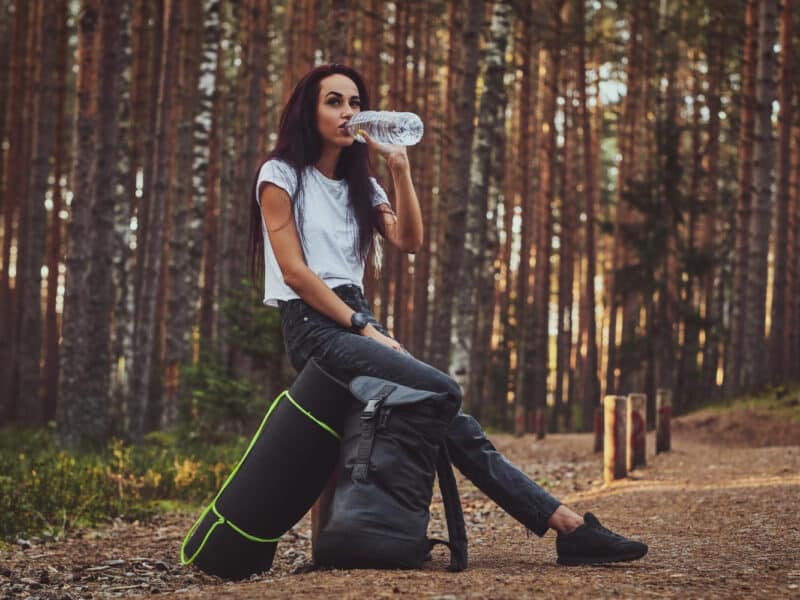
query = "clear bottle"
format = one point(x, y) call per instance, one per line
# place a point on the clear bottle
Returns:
point(387, 127)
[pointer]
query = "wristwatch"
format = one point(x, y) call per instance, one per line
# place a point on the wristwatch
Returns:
point(358, 321)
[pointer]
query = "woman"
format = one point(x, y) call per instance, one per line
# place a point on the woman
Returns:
point(314, 212)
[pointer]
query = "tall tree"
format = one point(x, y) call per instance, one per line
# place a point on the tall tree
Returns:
point(12, 189)
point(473, 281)
point(733, 367)
point(55, 235)
point(145, 331)
point(30, 407)
point(591, 385)
point(457, 186)
point(544, 239)
point(714, 216)
point(755, 346)
point(568, 217)
point(185, 245)
point(779, 330)
point(207, 153)
point(529, 141)
point(81, 415)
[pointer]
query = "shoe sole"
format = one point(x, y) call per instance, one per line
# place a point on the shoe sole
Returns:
point(596, 560)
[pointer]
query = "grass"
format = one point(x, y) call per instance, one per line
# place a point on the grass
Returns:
point(781, 402)
point(48, 490)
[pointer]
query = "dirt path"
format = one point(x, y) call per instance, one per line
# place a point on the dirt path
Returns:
point(721, 521)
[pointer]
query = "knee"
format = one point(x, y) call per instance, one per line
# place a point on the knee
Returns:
point(451, 387)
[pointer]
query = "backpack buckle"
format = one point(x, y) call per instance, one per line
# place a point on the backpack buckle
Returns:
point(370, 409)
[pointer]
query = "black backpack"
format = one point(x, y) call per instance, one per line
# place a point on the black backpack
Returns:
point(393, 443)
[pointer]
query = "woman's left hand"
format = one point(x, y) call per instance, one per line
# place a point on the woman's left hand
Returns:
point(396, 155)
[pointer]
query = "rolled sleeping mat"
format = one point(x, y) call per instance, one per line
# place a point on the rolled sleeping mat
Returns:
point(281, 474)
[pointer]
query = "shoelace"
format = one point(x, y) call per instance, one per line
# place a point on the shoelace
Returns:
point(607, 531)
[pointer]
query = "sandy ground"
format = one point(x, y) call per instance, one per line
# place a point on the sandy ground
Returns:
point(719, 512)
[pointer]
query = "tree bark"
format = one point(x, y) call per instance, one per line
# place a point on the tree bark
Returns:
point(779, 330)
point(544, 241)
point(207, 151)
point(529, 179)
point(485, 163)
point(184, 242)
point(591, 384)
point(755, 348)
point(81, 415)
point(145, 331)
point(457, 187)
point(30, 407)
point(55, 235)
point(733, 381)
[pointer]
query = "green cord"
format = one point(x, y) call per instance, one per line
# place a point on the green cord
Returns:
point(213, 506)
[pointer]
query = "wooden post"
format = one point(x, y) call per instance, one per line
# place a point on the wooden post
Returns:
point(598, 429)
point(637, 430)
point(614, 446)
point(541, 428)
point(663, 416)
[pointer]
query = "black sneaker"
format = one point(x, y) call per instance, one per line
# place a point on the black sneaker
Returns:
point(592, 544)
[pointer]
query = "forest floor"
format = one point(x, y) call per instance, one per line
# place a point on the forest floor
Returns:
point(719, 512)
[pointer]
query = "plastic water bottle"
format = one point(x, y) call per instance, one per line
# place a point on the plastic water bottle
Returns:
point(387, 127)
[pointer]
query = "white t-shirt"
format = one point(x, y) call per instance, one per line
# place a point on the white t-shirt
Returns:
point(329, 229)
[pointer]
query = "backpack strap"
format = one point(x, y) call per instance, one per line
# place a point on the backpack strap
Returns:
point(456, 529)
point(368, 425)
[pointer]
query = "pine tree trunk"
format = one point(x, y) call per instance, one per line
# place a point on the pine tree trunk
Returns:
point(793, 320)
point(183, 261)
point(422, 259)
point(30, 408)
point(713, 223)
point(207, 152)
point(126, 155)
point(474, 299)
point(398, 92)
point(591, 385)
point(152, 47)
point(779, 330)
point(99, 279)
point(6, 35)
point(542, 269)
point(79, 414)
point(627, 127)
point(489, 136)
point(763, 161)
point(147, 300)
point(529, 142)
point(14, 169)
point(733, 371)
point(55, 235)
point(566, 265)
point(339, 27)
point(456, 193)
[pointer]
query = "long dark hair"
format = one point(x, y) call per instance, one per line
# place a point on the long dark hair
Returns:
point(300, 145)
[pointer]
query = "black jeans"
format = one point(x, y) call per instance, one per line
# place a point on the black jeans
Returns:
point(344, 354)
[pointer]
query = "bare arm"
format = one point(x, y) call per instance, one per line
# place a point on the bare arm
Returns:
point(403, 230)
point(277, 211)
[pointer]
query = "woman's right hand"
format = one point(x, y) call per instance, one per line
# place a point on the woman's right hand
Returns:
point(371, 332)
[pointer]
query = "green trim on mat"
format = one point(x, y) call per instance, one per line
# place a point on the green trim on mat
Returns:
point(325, 426)
point(213, 506)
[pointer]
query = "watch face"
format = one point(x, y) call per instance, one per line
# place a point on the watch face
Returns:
point(360, 320)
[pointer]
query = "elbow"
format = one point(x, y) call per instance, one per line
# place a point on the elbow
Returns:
point(293, 276)
point(413, 246)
